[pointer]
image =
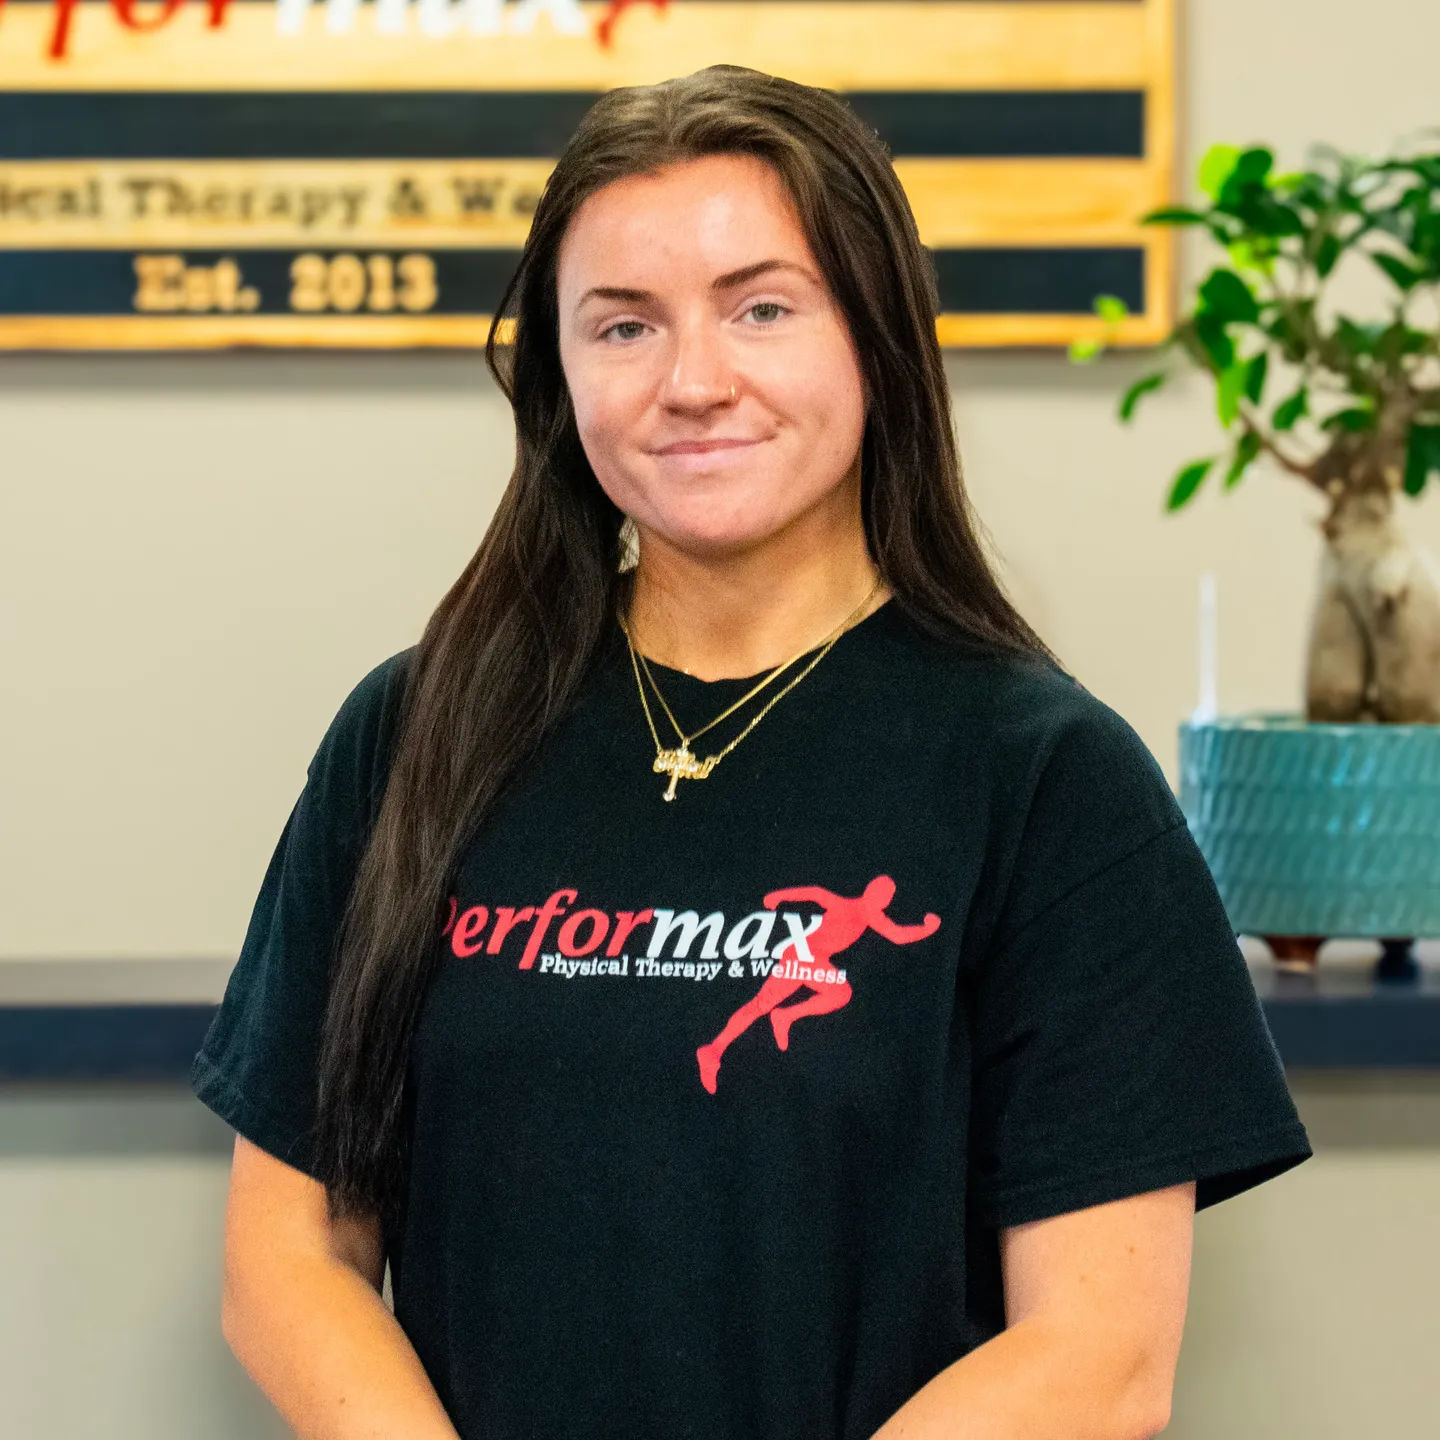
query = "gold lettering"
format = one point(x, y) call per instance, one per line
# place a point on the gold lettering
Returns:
point(231, 293)
point(160, 282)
point(347, 283)
point(167, 284)
point(418, 290)
point(308, 294)
point(382, 282)
point(198, 282)
point(344, 283)
point(476, 196)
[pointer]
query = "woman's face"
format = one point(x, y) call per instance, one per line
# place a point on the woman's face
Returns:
point(715, 383)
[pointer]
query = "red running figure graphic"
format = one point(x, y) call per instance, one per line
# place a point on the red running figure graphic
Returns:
point(844, 922)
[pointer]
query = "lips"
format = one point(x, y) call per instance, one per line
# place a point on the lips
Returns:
point(706, 447)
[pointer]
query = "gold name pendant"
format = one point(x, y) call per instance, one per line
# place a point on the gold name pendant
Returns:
point(681, 765)
point(681, 762)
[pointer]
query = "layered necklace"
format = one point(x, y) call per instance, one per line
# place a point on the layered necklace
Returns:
point(680, 762)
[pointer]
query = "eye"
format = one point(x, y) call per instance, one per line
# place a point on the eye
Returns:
point(623, 330)
point(766, 312)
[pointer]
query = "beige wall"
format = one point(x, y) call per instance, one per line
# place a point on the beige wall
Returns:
point(1312, 1307)
point(198, 557)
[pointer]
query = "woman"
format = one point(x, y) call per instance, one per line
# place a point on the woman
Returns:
point(769, 998)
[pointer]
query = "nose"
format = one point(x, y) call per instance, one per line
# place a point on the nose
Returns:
point(700, 377)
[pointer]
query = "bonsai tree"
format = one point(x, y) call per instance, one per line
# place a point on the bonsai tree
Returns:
point(1346, 404)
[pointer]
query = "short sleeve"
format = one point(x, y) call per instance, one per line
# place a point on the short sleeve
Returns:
point(1119, 1046)
point(257, 1065)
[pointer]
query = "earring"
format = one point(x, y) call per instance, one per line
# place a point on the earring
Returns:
point(629, 545)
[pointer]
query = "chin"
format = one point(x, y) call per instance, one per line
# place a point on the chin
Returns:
point(715, 529)
point(715, 542)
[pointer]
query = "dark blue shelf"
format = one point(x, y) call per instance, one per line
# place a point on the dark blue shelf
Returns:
point(1350, 1020)
point(100, 1042)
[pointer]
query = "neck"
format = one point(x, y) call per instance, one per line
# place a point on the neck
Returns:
point(734, 616)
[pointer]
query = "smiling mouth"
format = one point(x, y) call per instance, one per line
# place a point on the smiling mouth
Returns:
point(705, 447)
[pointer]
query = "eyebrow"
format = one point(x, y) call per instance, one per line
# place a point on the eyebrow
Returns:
point(616, 292)
point(728, 281)
point(753, 272)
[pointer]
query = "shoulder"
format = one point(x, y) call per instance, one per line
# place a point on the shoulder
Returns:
point(372, 707)
point(1069, 783)
point(1023, 710)
point(1088, 788)
point(348, 774)
point(1047, 728)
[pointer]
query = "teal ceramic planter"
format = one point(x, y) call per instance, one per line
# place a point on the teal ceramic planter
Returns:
point(1318, 830)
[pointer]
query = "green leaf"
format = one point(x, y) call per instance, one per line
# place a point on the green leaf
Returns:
point(1405, 276)
point(1353, 421)
point(1275, 221)
point(1425, 238)
point(1261, 216)
point(1288, 412)
point(1082, 352)
point(1253, 167)
point(1187, 482)
point(1111, 309)
point(1216, 167)
point(1226, 296)
point(1422, 455)
point(1309, 191)
point(1246, 453)
point(1255, 377)
point(1327, 255)
point(1224, 229)
point(1244, 379)
point(1138, 391)
point(1291, 325)
point(1247, 196)
point(1398, 340)
point(1173, 215)
point(1359, 339)
point(1213, 341)
point(1229, 389)
point(1254, 254)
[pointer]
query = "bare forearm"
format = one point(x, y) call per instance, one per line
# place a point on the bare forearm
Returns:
point(1036, 1382)
point(323, 1346)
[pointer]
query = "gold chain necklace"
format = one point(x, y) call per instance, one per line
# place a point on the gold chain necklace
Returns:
point(681, 763)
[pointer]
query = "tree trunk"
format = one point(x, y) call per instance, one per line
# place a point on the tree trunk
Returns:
point(1375, 638)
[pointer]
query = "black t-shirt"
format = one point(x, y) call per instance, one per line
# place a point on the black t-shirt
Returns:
point(719, 1104)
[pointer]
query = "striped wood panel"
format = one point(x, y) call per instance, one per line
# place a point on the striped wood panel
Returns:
point(1029, 134)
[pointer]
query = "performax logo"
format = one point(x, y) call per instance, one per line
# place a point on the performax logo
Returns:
point(582, 933)
point(432, 19)
point(800, 960)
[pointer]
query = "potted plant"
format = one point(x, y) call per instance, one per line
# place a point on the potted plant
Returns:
point(1328, 823)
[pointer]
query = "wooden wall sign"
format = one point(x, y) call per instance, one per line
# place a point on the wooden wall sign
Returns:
point(198, 173)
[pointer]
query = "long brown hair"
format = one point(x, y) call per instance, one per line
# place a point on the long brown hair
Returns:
point(512, 641)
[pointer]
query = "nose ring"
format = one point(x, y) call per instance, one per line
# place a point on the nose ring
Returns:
point(732, 392)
